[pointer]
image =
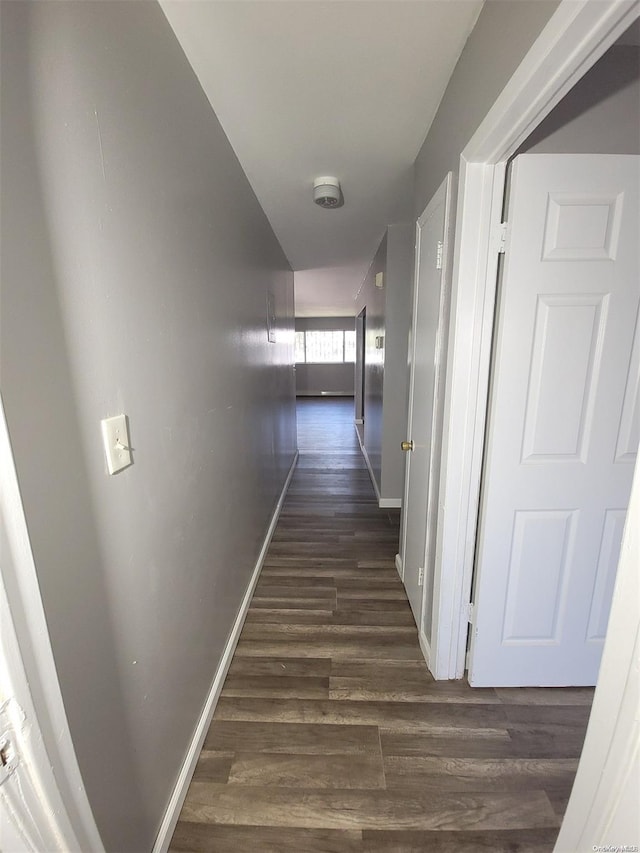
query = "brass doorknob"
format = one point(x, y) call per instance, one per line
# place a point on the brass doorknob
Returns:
point(406, 445)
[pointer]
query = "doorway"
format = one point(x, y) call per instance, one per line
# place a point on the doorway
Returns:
point(560, 57)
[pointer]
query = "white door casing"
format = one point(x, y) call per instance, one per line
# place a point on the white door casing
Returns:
point(43, 804)
point(32, 815)
point(430, 317)
point(604, 800)
point(563, 422)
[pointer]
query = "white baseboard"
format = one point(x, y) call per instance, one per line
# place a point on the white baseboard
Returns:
point(324, 393)
point(390, 503)
point(369, 467)
point(359, 421)
point(163, 839)
point(425, 648)
point(383, 503)
point(399, 566)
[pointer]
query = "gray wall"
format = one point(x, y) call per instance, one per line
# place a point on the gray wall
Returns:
point(600, 115)
point(503, 34)
point(314, 379)
point(321, 323)
point(135, 268)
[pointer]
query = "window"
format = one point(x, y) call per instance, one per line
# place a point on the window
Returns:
point(325, 347)
point(350, 346)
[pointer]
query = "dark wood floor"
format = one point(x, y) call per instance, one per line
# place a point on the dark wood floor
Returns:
point(330, 734)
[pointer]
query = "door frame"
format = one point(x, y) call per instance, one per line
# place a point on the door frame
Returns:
point(360, 324)
point(575, 37)
point(446, 189)
point(51, 805)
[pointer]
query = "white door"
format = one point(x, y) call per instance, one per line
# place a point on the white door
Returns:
point(563, 423)
point(426, 387)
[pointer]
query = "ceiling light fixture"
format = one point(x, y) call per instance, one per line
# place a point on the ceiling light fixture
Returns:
point(326, 192)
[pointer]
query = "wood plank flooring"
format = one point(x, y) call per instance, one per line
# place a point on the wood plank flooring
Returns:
point(330, 734)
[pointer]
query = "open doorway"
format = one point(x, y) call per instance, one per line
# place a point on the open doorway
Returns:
point(580, 383)
point(478, 234)
point(581, 374)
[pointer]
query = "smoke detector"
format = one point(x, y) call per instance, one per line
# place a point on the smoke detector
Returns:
point(326, 192)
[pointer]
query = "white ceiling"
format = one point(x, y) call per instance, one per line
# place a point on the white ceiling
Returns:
point(305, 88)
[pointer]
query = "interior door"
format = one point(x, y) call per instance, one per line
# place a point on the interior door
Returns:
point(426, 387)
point(359, 368)
point(563, 423)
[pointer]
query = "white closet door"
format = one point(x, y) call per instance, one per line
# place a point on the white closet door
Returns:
point(564, 421)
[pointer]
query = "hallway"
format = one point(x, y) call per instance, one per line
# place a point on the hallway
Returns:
point(330, 734)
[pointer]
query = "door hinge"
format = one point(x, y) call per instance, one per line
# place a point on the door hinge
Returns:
point(11, 715)
point(439, 251)
point(501, 238)
point(9, 759)
point(420, 577)
point(470, 612)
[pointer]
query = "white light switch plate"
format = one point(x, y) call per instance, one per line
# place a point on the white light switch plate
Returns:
point(115, 438)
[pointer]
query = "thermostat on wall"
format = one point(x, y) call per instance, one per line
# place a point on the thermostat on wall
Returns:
point(379, 279)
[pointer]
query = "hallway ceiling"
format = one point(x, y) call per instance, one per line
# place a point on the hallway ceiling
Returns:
point(305, 88)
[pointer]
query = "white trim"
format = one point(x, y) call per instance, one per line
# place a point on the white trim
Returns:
point(324, 394)
point(172, 813)
point(369, 467)
point(390, 503)
point(603, 807)
point(468, 361)
point(374, 482)
point(575, 37)
point(383, 503)
point(33, 816)
point(399, 567)
point(425, 648)
point(59, 807)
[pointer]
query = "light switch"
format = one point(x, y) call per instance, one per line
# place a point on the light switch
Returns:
point(115, 438)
